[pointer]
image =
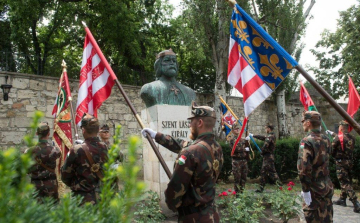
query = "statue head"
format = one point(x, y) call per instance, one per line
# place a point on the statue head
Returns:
point(166, 64)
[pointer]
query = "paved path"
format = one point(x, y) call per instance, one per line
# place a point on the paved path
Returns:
point(345, 214)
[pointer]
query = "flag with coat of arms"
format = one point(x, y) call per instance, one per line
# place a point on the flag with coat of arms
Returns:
point(257, 63)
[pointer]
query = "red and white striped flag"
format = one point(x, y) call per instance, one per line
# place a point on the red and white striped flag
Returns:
point(257, 63)
point(243, 77)
point(96, 81)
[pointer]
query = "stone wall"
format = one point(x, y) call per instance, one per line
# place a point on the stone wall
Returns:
point(31, 92)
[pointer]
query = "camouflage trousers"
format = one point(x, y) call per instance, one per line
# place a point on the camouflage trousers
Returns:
point(206, 215)
point(46, 188)
point(88, 197)
point(320, 210)
point(240, 170)
point(268, 171)
point(343, 172)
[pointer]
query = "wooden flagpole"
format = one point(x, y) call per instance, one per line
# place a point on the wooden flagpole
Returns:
point(102, 58)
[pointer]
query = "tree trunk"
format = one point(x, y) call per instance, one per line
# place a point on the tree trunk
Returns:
point(221, 52)
point(281, 115)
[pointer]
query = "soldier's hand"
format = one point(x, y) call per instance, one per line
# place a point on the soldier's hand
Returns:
point(79, 141)
point(247, 138)
point(247, 149)
point(307, 197)
point(150, 131)
point(251, 135)
point(329, 132)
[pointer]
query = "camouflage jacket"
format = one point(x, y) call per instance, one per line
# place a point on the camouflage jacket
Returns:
point(269, 145)
point(313, 163)
point(193, 179)
point(76, 171)
point(240, 151)
point(347, 153)
point(46, 154)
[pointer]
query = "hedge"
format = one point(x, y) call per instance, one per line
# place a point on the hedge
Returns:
point(286, 154)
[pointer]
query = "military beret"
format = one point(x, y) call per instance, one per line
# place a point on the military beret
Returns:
point(201, 111)
point(343, 122)
point(268, 125)
point(104, 128)
point(43, 127)
point(311, 115)
point(236, 125)
point(165, 52)
point(89, 121)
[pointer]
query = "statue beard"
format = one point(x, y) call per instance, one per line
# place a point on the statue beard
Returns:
point(193, 133)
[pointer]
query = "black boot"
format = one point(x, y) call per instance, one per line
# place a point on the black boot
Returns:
point(356, 206)
point(341, 202)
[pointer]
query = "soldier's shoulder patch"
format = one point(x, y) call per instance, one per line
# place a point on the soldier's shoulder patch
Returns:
point(182, 160)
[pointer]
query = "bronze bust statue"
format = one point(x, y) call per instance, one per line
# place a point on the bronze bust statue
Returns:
point(166, 90)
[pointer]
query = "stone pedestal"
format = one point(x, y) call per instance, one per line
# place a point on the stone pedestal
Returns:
point(167, 119)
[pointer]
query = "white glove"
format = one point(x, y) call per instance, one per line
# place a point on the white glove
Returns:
point(247, 149)
point(250, 135)
point(329, 132)
point(307, 197)
point(79, 141)
point(247, 138)
point(150, 131)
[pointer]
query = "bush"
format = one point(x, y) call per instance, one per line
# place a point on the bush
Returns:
point(286, 155)
point(244, 207)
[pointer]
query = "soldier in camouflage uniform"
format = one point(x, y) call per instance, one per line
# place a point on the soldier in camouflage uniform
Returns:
point(105, 135)
point(191, 190)
point(83, 167)
point(239, 159)
point(268, 171)
point(343, 155)
point(42, 173)
point(313, 169)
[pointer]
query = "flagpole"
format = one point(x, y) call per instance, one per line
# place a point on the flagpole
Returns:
point(332, 102)
point(102, 57)
point(63, 64)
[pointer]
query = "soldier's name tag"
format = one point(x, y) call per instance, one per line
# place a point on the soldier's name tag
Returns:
point(182, 160)
point(302, 145)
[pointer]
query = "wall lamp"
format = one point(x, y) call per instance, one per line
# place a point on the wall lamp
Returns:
point(296, 112)
point(6, 89)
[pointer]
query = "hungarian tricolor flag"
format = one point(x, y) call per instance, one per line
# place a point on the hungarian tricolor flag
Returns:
point(306, 99)
point(96, 79)
point(62, 114)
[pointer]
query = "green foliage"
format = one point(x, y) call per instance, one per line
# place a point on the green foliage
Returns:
point(149, 209)
point(226, 170)
point(245, 207)
point(285, 203)
point(340, 57)
point(17, 203)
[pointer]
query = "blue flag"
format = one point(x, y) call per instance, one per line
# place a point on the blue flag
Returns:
point(227, 119)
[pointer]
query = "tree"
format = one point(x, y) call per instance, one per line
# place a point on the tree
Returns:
point(341, 55)
point(284, 20)
point(209, 20)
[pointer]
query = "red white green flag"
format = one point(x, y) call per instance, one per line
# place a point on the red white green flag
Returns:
point(306, 99)
point(62, 114)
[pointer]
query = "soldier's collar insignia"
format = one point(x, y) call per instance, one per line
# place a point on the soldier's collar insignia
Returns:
point(182, 160)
